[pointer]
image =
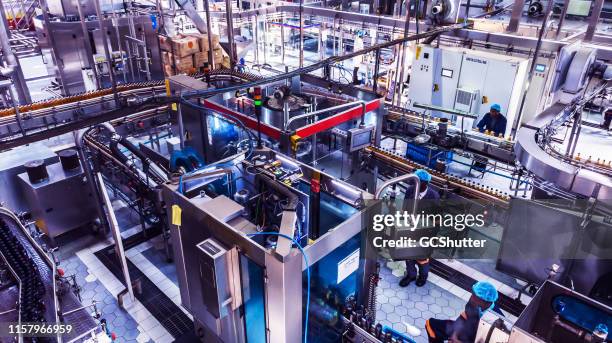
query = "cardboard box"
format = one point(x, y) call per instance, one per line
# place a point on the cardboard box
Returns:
point(166, 58)
point(218, 56)
point(199, 58)
point(165, 43)
point(203, 40)
point(186, 46)
point(226, 62)
point(184, 63)
point(168, 70)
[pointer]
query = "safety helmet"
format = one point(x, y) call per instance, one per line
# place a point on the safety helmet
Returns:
point(485, 291)
point(423, 175)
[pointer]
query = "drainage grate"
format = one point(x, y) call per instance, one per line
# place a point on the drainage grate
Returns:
point(170, 316)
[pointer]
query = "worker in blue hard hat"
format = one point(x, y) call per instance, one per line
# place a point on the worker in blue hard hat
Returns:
point(493, 121)
point(464, 328)
point(418, 269)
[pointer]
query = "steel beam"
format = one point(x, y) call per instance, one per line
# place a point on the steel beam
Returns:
point(517, 13)
point(593, 20)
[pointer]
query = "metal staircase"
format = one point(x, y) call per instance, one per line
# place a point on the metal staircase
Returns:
point(20, 13)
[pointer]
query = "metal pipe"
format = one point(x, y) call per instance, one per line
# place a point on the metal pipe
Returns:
point(543, 29)
point(181, 128)
point(301, 33)
point(17, 113)
point(376, 70)
point(230, 33)
point(396, 180)
point(211, 57)
point(338, 107)
point(517, 13)
point(562, 18)
point(593, 20)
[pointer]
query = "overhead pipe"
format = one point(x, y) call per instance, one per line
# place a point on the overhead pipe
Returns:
point(325, 110)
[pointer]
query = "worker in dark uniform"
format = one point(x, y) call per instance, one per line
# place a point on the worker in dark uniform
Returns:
point(418, 269)
point(493, 121)
point(464, 328)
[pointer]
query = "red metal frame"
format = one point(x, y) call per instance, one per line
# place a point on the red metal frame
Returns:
point(342, 117)
point(249, 122)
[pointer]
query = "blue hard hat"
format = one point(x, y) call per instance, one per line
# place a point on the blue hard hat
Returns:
point(485, 291)
point(423, 175)
point(496, 107)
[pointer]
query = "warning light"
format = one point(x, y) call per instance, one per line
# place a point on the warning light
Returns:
point(257, 96)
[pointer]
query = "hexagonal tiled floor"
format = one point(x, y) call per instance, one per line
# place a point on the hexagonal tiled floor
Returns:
point(119, 321)
point(412, 305)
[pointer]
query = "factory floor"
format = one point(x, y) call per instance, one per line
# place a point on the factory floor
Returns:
point(79, 256)
point(82, 254)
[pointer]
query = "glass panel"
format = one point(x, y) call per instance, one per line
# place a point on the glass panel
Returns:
point(253, 298)
point(333, 212)
point(579, 313)
point(333, 280)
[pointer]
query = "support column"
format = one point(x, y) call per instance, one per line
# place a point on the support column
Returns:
point(211, 59)
point(517, 13)
point(230, 33)
point(284, 297)
point(593, 20)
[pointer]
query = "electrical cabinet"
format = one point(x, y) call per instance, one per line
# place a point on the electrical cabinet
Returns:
point(467, 80)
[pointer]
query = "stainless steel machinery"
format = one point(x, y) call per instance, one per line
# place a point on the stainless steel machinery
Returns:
point(274, 228)
point(43, 186)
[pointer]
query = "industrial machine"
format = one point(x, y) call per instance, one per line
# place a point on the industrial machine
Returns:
point(471, 81)
point(257, 184)
point(259, 217)
point(556, 314)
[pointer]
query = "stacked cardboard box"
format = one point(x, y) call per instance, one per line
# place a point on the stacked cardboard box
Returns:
point(187, 53)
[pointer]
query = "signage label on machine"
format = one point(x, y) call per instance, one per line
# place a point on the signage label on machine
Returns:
point(348, 265)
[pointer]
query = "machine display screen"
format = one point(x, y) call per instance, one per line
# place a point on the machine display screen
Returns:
point(579, 7)
point(447, 73)
point(361, 139)
point(540, 68)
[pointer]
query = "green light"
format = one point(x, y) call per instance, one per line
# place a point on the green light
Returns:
point(257, 102)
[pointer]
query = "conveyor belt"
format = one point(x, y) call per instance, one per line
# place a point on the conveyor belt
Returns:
point(467, 187)
point(217, 74)
point(14, 236)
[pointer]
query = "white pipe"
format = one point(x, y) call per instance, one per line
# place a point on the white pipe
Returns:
point(363, 107)
point(399, 179)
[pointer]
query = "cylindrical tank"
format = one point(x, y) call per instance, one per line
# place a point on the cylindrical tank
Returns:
point(37, 171)
point(69, 160)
